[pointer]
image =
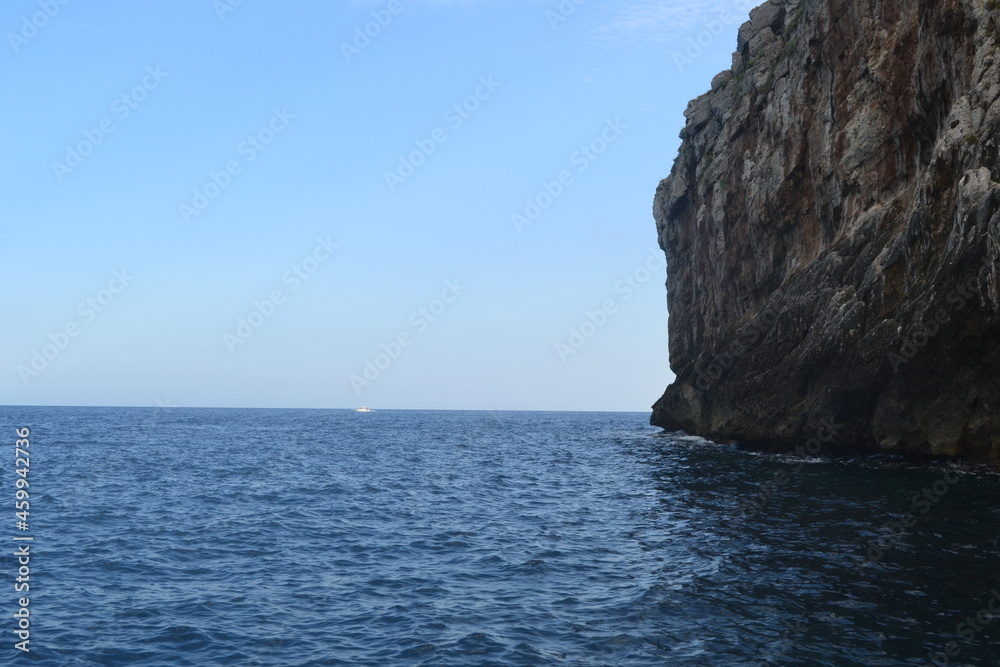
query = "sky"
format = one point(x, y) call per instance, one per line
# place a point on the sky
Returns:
point(412, 204)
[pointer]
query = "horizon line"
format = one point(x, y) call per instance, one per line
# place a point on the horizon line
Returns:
point(203, 407)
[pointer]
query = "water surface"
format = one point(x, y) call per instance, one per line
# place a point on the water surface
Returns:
point(308, 537)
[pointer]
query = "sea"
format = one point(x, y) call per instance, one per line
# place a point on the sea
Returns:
point(172, 536)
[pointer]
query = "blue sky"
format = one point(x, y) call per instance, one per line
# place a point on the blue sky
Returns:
point(245, 204)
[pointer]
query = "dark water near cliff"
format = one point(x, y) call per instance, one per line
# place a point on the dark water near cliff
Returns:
point(260, 537)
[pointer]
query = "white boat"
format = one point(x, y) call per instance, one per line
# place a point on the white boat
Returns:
point(364, 409)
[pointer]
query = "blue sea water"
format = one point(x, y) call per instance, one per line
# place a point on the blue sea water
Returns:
point(310, 537)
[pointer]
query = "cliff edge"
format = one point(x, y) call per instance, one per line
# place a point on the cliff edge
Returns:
point(832, 232)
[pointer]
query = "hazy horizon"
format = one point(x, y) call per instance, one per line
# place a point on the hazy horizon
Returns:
point(425, 205)
point(332, 409)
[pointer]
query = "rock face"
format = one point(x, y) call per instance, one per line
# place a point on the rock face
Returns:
point(832, 233)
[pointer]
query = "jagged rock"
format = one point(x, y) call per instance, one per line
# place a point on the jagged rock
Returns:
point(770, 14)
point(721, 79)
point(832, 232)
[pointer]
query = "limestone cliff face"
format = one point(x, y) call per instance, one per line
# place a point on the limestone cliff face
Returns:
point(832, 232)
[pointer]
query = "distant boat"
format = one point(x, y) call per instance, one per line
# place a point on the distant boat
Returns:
point(364, 409)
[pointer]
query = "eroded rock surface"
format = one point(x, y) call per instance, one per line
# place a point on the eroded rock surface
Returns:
point(832, 232)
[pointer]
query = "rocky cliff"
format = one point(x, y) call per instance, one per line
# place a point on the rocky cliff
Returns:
point(832, 233)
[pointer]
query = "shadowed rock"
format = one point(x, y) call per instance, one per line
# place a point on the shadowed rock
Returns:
point(832, 233)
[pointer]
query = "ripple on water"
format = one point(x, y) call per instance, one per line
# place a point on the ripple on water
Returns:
point(437, 538)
